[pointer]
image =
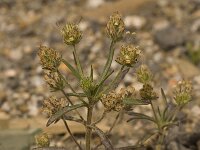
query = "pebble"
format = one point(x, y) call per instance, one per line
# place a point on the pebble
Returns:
point(169, 37)
point(10, 73)
point(137, 22)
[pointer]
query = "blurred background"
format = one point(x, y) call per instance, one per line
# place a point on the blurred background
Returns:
point(167, 32)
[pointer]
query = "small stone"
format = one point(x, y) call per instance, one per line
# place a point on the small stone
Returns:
point(17, 139)
point(10, 73)
point(135, 21)
point(94, 4)
point(169, 37)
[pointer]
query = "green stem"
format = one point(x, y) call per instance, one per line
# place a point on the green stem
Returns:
point(88, 129)
point(72, 136)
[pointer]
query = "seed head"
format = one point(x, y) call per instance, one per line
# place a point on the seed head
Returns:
point(144, 75)
point(128, 55)
point(71, 34)
point(49, 58)
point(54, 81)
point(147, 93)
point(182, 94)
point(114, 100)
point(42, 140)
point(115, 27)
point(52, 105)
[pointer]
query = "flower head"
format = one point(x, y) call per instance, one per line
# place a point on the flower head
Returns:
point(114, 100)
point(182, 94)
point(49, 58)
point(147, 93)
point(54, 81)
point(143, 74)
point(71, 34)
point(42, 140)
point(128, 55)
point(52, 105)
point(115, 27)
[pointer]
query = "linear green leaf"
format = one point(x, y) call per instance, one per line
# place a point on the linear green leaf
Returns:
point(133, 101)
point(63, 111)
point(164, 96)
point(72, 69)
point(140, 116)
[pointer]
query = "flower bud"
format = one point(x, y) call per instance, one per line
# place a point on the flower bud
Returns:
point(52, 105)
point(128, 55)
point(71, 34)
point(147, 92)
point(87, 85)
point(42, 140)
point(182, 94)
point(115, 27)
point(144, 75)
point(49, 58)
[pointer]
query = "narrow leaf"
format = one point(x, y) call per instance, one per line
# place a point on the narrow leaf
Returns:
point(164, 96)
point(76, 94)
point(132, 101)
point(140, 116)
point(72, 69)
point(109, 61)
point(63, 111)
point(91, 73)
point(114, 84)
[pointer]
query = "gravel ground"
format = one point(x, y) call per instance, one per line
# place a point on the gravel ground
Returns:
point(167, 32)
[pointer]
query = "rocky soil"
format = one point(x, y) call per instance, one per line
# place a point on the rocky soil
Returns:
point(167, 31)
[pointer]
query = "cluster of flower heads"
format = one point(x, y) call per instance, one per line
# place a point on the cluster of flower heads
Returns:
point(50, 59)
point(114, 100)
point(128, 55)
point(115, 27)
point(182, 93)
point(52, 105)
point(71, 34)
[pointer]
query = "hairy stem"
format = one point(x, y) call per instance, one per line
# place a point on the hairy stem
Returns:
point(88, 129)
point(72, 136)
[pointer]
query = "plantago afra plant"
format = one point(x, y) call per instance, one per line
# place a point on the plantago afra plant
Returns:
point(94, 91)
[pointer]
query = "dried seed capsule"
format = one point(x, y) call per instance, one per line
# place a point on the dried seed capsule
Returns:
point(115, 27)
point(71, 34)
point(128, 56)
point(144, 75)
point(49, 58)
point(182, 94)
